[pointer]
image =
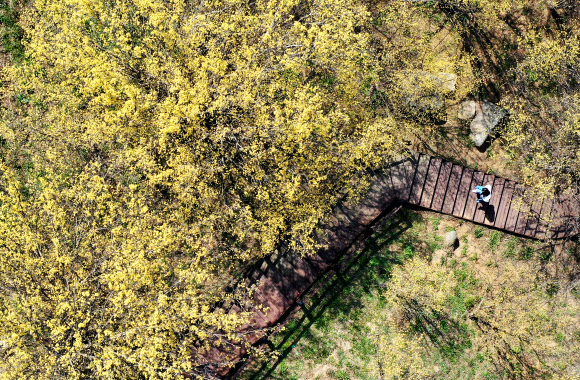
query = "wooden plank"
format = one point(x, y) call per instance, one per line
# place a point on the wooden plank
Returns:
point(575, 204)
point(313, 266)
point(383, 182)
point(556, 231)
point(317, 262)
point(329, 255)
point(340, 230)
point(258, 318)
point(441, 186)
point(572, 217)
point(402, 176)
point(481, 211)
point(534, 217)
point(570, 204)
point(522, 220)
point(408, 173)
point(328, 237)
point(419, 180)
point(513, 212)
point(523, 216)
point(463, 193)
point(471, 204)
point(561, 216)
point(380, 193)
point(494, 203)
point(431, 182)
point(268, 295)
point(297, 278)
point(285, 287)
point(567, 209)
point(398, 179)
point(256, 321)
point(452, 189)
point(226, 352)
point(308, 271)
point(545, 219)
point(504, 204)
point(378, 197)
point(552, 233)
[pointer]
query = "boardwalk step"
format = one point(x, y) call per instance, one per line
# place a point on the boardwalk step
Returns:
point(306, 269)
point(494, 203)
point(452, 189)
point(419, 179)
point(502, 210)
point(441, 186)
point(268, 295)
point(282, 284)
point(463, 192)
point(297, 278)
point(430, 182)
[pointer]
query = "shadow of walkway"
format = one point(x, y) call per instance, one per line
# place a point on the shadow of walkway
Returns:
point(371, 266)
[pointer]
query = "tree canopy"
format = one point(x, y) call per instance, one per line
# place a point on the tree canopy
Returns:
point(511, 317)
point(154, 148)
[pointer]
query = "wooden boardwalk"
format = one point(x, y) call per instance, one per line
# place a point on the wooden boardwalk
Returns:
point(420, 181)
point(445, 187)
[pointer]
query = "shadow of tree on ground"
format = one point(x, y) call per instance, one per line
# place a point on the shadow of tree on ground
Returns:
point(370, 267)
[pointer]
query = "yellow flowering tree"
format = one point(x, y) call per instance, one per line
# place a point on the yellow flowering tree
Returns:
point(225, 107)
point(94, 284)
point(153, 150)
point(543, 135)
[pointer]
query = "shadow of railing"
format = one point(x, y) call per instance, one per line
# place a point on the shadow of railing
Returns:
point(318, 301)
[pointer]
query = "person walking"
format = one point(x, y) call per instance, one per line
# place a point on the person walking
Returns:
point(484, 194)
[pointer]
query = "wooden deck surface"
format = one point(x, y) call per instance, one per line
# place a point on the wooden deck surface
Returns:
point(420, 180)
point(446, 187)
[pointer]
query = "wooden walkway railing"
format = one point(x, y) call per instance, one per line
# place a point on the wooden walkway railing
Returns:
point(422, 181)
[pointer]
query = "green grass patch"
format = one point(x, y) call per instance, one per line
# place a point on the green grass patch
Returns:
point(494, 240)
point(435, 222)
point(511, 245)
point(11, 33)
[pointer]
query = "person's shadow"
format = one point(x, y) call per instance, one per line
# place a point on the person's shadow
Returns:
point(490, 213)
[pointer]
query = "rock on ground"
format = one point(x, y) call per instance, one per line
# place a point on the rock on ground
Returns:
point(487, 118)
point(466, 110)
point(451, 238)
point(429, 90)
point(446, 81)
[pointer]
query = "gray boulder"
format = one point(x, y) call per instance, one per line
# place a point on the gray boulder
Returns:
point(487, 118)
point(466, 110)
point(450, 239)
point(425, 104)
point(440, 82)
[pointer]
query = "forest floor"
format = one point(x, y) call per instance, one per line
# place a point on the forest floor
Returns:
point(333, 335)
